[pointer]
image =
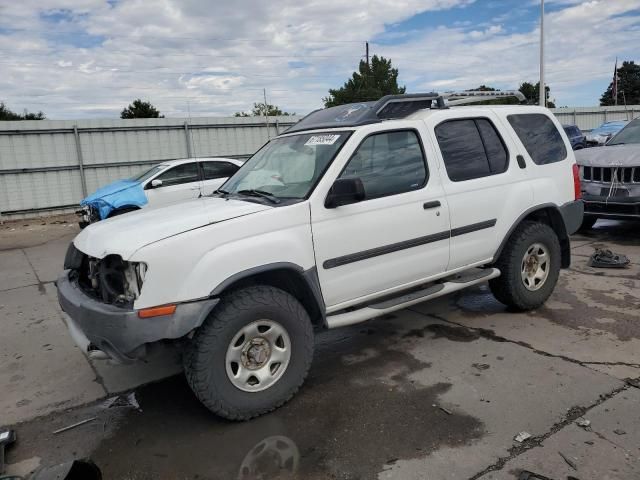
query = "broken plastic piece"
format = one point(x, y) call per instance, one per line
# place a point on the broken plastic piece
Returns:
point(448, 412)
point(82, 422)
point(527, 475)
point(582, 422)
point(522, 436)
point(607, 259)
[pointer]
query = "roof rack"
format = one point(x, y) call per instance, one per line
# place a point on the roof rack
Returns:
point(392, 107)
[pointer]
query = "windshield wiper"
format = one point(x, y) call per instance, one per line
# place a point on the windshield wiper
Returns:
point(260, 193)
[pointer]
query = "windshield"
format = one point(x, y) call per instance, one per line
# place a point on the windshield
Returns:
point(141, 177)
point(607, 128)
point(287, 167)
point(629, 134)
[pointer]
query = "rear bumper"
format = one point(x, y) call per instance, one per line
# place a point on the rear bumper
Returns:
point(119, 332)
point(572, 214)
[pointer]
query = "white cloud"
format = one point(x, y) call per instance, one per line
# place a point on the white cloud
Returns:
point(73, 58)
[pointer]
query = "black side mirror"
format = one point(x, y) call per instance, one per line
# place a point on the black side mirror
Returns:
point(345, 191)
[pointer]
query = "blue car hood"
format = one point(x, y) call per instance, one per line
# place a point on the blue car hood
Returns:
point(115, 195)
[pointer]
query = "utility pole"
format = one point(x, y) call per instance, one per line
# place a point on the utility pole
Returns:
point(543, 91)
point(266, 116)
point(366, 45)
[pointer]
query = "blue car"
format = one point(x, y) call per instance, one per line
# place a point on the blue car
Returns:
point(576, 137)
point(168, 182)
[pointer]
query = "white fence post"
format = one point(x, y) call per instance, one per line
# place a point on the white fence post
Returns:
point(83, 180)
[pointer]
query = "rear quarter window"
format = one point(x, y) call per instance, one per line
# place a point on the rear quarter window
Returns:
point(540, 137)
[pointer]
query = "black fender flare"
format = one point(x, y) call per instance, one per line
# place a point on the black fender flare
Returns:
point(308, 278)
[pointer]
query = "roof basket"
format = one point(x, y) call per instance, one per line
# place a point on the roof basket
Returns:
point(392, 107)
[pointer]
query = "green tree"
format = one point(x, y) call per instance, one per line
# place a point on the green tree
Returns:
point(262, 109)
point(628, 86)
point(532, 93)
point(6, 114)
point(140, 109)
point(370, 82)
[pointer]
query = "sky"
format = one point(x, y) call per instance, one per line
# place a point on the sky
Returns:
point(91, 58)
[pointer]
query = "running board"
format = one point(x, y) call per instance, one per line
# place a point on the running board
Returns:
point(435, 290)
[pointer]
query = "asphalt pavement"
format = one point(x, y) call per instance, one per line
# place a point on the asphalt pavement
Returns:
point(437, 391)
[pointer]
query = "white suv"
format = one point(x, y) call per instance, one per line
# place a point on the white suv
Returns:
point(354, 212)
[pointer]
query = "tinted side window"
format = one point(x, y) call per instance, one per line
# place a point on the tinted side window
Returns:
point(540, 137)
point(471, 148)
point(388, 163)
point(185, 173)
point(213, 170)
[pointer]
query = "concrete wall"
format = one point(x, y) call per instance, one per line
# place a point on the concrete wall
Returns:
point(50, 165)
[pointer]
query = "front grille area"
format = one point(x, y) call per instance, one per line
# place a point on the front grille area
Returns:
point(107, 280)
point(609, 174)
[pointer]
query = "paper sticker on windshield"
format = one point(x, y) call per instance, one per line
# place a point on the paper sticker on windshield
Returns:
point(322, 140)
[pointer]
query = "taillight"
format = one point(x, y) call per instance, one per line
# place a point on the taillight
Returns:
point(577, 189)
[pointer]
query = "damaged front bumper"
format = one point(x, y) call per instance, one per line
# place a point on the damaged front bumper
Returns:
point(602, 200)
point(119, 332)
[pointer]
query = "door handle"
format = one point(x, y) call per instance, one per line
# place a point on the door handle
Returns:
point(433, 204)
point(521, 162)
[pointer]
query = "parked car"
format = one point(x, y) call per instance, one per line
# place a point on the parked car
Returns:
point(611, 177)
point(576, 137)
point(599, 136)
point(354, 212)
point(167, 182)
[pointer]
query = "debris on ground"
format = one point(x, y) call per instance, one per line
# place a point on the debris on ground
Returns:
point(448, 412)
point(522, 436)
point(570, 462)
point(122, 401)
point(583, 422)
point(77, 424)
point(603, 258)
point(7, 437)
point(618, 431)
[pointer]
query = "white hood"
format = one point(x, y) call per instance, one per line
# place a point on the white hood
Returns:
point(124, 235)
point(610, 156)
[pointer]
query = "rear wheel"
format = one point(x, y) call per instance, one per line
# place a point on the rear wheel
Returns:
point(529, 266)
point(251, 354)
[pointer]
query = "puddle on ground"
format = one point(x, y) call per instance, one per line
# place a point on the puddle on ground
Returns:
point(348, 421)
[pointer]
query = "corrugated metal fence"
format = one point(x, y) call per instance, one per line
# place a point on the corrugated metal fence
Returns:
point(50, 165)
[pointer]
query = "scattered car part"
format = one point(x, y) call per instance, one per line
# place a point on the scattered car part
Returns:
point(522, 437)
point(569, 462)
point(527, 475)
point(69, 427)
point(583, 422)
point(603, 258)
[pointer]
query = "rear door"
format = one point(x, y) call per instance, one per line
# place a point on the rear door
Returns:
point(484, 184)
point(181, 182)
point(215, 173)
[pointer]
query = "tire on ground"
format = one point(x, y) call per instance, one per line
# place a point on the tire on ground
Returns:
point(205, 357)
point(509, 287)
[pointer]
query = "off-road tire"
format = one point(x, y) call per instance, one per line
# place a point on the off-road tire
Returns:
point(587, 223)
point(509, 288)
point(204, 358)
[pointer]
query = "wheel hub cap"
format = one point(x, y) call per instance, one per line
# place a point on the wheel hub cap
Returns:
point(258, 355)
point(535, 266)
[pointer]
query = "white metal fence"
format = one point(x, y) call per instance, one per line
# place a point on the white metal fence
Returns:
point(50, 165)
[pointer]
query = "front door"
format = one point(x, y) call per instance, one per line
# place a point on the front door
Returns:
point(179, 183)
point(396, 236)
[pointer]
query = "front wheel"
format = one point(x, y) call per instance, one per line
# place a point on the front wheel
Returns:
point(529, 266)
point(251, 354)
